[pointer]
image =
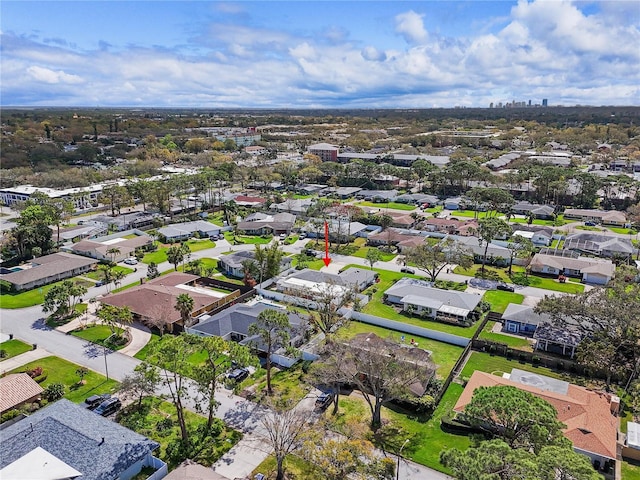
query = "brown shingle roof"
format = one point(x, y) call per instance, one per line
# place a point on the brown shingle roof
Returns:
point(47, 266)
point(590, 425)
point(16, 389)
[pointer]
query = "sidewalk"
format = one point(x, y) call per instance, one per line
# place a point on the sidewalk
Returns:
point(22, 359)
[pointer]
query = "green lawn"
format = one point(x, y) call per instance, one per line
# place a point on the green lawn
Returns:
point(300, 196)
point(443, 354)
point(623, 231)
point(559, 221)
point(426, 437)
point(500, 299)
point(362, 253)
point(289, 384)
point(518, 276)
point(216, 218)
point(158, 420)
point(160, 255)
point(99, 334)
point(514, 342)
point(294, 467)
point(238, 239)
point(30, 298)
point(196, 358)
point(499, 365)
point(13, 348)
point(393, 205)
point(630, 469)
point(98, 275)
point(58, 370)
point(473, 214)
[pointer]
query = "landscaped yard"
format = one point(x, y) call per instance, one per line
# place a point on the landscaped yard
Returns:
point(498, 365)
point(443, 354)
point(500, 299)
point(288, 384)
point(630, 469)
point(393, 205)
point(58, 370)
point(160, 255)
point(426, 437)
point(362, 253)
point(473, 214)
point(378, 308)
point(13, 348)
point(101, 335)
point(157, 420)
point(559, 221)
point(623, 231)
point(98, 275)
point(196, 359)
point(519, 343)
point(294, 466)
point(502, 274)
point(238, 239)
point(11, 300)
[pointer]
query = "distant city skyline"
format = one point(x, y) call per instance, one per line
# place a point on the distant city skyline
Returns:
point(308, 54)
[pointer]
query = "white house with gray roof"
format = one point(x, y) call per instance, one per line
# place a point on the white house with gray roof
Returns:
point(184, 231)
point(419, 297)
point(309, 283)
point(65, 440)
point(591, 270)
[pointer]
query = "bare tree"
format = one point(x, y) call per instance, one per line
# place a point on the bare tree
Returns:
point(285, 431)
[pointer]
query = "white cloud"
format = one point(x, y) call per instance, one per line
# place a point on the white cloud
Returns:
point(373, 54)
point(46, 75)
point(411, 27)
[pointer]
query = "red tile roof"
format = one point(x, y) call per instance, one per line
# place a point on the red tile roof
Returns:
point(16, 389)
point(590, 425)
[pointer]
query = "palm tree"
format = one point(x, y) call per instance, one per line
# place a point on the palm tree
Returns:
point(184, 304)
point(272, 327)
point(113, 251)
point(117, 277)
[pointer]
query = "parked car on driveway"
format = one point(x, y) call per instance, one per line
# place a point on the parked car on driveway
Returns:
point(238, 374)
point(131, 261)
point(505, 287)
point(109, 406)
point(324, 400)
point(408, 270)
point(93, 401)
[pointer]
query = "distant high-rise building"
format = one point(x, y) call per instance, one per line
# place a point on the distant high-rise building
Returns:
point(491, 105)
point(529, 102)
point(544, 102)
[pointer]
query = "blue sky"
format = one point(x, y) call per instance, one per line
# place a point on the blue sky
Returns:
point(363, 54)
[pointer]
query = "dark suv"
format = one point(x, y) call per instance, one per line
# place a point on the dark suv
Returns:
point(109, 406)
point(324, 400)
point(238, 374)
point(94, 400)
point(505, 287)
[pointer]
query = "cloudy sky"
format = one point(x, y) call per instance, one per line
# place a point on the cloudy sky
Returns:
point(319, 54)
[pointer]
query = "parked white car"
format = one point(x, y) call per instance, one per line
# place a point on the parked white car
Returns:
point(131, 261)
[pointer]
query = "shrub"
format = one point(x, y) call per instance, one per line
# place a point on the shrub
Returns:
point(6, 416)
point(3, 353)
point(36, 372)
point(54, 391)
point(560, 365)
point(41, 378)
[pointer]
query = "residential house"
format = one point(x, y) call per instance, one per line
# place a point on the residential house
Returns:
point(418, 199)
point(555, 339)
point(184, 231)
point(156, 299)
point(544, 212)
point(612, 218)
point(307, 283)
point(420, 298)
point(399, 159)
point(451, 226)
point(538, 238)
point(631, 447)
point(47, 269)
point(115, 247)
point(522, 319)
point(377, 196)
point(496, 254)
point(190, 470)
point(247, 201)
point(454, 203)
point(392, 236)
point(294, 205)
point(65, 440)
point(311, 188)
point(342, 192)
point(232, 266)
point(264, 224)
point(591, 243)
point(16, 390)
point(339, 229)
point(590, 270)
point(233, 324)
point(590, 417)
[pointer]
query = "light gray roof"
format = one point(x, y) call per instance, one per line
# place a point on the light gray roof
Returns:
point(350, 276)
point(99, 448)
point(422, 289)
point(524, 314)
point(47, 266)
point(188, 228)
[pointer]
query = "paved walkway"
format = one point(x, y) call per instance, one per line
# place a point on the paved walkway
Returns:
point(22, 359)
